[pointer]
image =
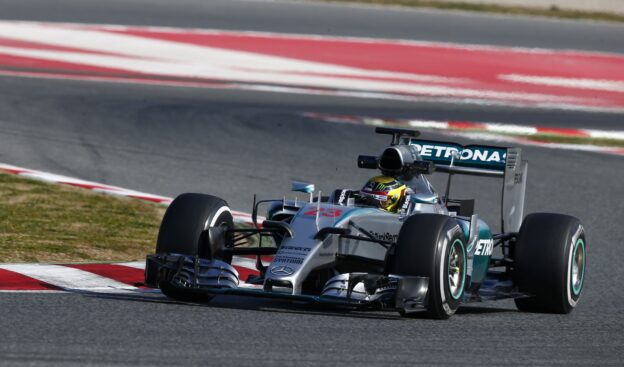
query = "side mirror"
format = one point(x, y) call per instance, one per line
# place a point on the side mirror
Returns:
point(302, 187)
point(368, 161)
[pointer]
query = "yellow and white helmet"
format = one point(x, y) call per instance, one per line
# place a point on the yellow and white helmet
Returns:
point(383, 191)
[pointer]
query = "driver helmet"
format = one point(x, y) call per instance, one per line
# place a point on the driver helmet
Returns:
point(383, 191)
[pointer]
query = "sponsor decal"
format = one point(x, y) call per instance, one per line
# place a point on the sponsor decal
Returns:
point(294, 248)
point(324, 212)
point(288, 260)
point(282, 270)
point(385, 236)
point(484, 247)
point(471, 155)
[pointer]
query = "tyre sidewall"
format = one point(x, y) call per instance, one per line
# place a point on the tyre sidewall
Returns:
point(544, 259)
point(571, 297)
point(186, 219)
point(443, 303)
point(423, 249)
point(222, 216)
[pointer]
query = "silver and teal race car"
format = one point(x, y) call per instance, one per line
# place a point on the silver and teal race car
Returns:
point(427, 257)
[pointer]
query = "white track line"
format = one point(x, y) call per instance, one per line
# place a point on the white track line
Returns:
point(524, 141)
point(322, 37)
point(490, 131)
point(244, 262)
point(603, 134)
point(134, 264)
point(145, 55)
point(69, 278)
point(579, 83)
point(95, 186)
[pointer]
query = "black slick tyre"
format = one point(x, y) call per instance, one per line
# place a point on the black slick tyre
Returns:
point(182, 231)
point(186, 219)
point(433, 246)
point(550, 259)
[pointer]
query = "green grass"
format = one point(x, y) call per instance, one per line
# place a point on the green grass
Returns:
point(550, 11)
point(42, 222)
point(547, 138)
point(578, 140)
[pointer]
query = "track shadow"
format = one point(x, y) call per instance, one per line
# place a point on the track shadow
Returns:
point(477, 310)
point(250, 304)
point(284, 307)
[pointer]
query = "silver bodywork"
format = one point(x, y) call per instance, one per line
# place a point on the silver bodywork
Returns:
point(514, 187)
point(362, 234)
point(338, 287)
point(194, 272)
point(302, 254)
point(299, 256)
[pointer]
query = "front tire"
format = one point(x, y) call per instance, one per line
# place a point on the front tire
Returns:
point(433, 246)
point(550, 258)
point(183, 231)
point(186, 219)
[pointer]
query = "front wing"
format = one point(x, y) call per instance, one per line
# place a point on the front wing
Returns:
point(193, 276)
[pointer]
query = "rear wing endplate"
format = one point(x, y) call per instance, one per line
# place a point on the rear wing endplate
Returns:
point(483, 160)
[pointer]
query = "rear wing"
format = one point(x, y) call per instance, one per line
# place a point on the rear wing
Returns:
point(483, 160)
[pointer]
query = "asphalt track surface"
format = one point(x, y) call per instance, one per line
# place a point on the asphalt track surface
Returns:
point(169, 140)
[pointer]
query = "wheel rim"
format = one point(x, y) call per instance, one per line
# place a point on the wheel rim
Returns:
point(456, 269)
point(578, 267)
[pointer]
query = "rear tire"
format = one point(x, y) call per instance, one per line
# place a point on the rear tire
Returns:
point(550, 259)
point(182, 231)
point(433, 246)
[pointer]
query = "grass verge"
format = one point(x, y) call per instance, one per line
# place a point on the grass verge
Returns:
point(550, 11)
point(43, 222)
point(611, 143)
point(540, 137)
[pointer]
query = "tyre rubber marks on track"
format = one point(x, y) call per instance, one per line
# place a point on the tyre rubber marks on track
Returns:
point(357, 67)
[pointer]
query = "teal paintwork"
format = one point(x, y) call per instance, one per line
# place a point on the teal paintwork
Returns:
point(480, 263)
point(352, 211)
point(421, 200)
point(576, 288)
point(458, 295)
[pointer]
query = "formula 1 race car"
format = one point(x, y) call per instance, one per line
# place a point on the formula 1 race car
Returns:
point(395, 244)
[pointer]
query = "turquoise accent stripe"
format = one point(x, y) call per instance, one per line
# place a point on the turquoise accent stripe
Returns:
point(354, 211)
point(463, 277)
point(576, 289)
